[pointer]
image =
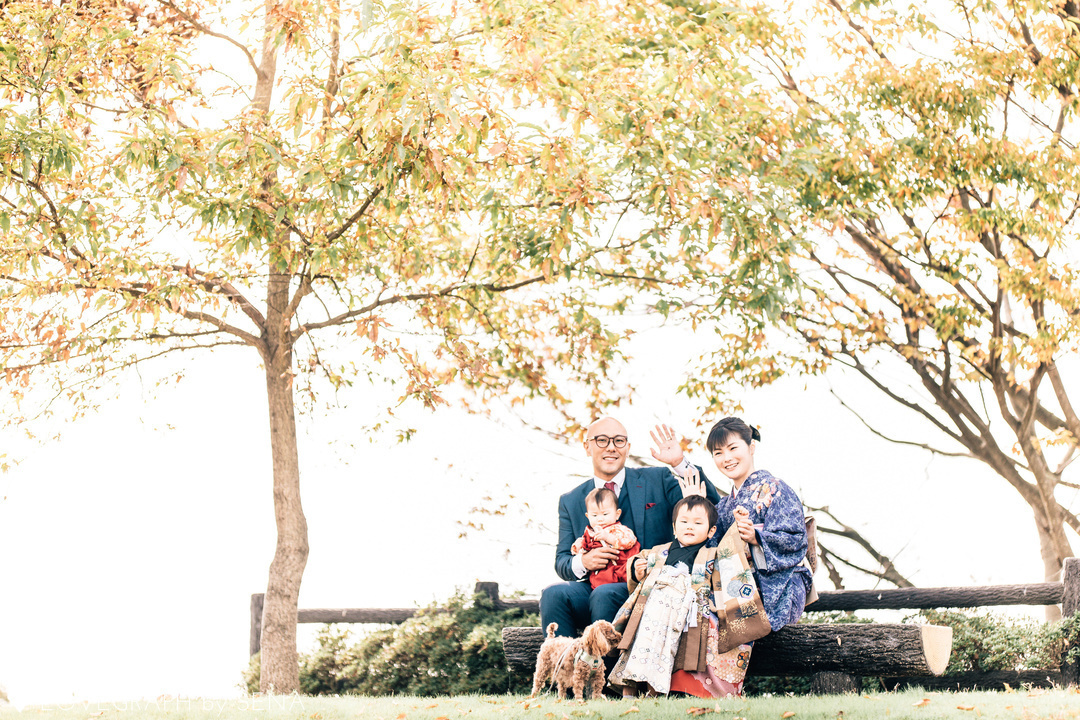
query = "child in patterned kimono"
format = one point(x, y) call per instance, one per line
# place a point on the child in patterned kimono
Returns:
point(602, 509)
point(691, 608)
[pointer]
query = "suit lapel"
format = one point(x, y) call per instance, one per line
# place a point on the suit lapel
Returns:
point(580, 521)
point(635, 488)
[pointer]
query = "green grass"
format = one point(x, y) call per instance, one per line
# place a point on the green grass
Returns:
point(1021, 705)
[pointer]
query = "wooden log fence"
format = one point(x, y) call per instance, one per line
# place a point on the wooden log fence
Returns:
point(374, 616)
point(798, 650)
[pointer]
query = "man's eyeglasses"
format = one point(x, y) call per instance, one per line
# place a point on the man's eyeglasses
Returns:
point(602, 441)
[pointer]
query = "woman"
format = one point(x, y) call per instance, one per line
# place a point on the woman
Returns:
point(769, 518)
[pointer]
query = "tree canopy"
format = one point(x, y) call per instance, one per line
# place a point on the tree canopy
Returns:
point(928, 203)
point(460, 193)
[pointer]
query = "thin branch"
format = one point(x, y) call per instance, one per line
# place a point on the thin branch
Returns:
point(207, 31)
point(356, 215)
point(410, 297)
point(826, 560)
point(881, 435)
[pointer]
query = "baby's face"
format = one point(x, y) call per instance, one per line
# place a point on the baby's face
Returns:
point(692, 526)
point(602, 515)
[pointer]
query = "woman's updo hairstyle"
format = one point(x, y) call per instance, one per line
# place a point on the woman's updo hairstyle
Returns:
point(727, 427)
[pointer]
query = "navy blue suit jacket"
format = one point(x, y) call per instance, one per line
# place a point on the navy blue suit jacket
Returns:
point(651, 493)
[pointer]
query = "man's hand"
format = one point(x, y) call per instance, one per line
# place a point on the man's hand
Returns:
point(599, 558)
point(667, 450)
point(746, 528)
point(691, 484)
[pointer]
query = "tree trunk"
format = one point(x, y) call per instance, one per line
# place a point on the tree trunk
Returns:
point(280, 665)
point(1051, 560)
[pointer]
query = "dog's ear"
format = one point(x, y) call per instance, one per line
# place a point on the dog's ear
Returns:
point(596, 640)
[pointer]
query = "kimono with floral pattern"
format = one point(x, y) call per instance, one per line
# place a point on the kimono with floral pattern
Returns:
point(777, 515)
point(686, 620)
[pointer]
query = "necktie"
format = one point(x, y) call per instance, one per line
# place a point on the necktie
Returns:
point(610, 485)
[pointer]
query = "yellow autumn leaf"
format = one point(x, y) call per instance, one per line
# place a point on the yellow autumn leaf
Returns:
point(790, 713)
point(965, 707)
point(924, 701)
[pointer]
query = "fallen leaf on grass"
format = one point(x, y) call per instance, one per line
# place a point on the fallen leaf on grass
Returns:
point(698, 710)
point(791, 713)
point(402, 716)
point(924, 701)
point(432, 705)
point(632, 709)
point(965, 707)
point(442, 717)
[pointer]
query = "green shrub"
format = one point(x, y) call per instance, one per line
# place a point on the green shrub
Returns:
point(455, 649)
point(983, 642)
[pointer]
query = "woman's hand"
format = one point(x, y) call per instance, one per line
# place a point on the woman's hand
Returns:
point(746, 528)
point(691, 484)
point(667, 450)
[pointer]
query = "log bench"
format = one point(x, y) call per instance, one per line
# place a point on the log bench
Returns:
point(837, 656)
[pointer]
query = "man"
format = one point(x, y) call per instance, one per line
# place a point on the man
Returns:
point(646, 498)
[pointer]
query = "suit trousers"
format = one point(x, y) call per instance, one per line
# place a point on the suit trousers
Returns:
point(575, 605)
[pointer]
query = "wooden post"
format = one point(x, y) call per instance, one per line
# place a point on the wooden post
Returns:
point(1070, 604)
point(491, 589)
point(834, 683)
point(255, 641)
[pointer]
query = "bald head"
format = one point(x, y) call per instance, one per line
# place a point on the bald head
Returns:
point(600, 440)
point(606, 425)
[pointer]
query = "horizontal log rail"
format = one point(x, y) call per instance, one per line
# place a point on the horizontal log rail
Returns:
point(373, 616)
point(939, 597)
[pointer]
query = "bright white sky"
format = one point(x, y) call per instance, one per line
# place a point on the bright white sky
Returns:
point(130, 547)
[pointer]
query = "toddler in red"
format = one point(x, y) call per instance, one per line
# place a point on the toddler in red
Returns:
point(602, 509)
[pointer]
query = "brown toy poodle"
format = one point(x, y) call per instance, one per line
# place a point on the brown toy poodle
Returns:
point(575, 661)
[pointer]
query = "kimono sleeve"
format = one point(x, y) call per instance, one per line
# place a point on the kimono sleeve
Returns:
point(631, 582)
point(781, 528)
point(619, 537)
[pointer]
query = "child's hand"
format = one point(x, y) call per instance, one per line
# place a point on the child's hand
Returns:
point(691, 484)
point(575, 549)
point(639, 569)
point(746, 528)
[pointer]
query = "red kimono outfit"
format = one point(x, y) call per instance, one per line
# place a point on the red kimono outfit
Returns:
point(616, 536)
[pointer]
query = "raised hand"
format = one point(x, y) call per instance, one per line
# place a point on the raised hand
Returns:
point(667, 450)
point(691, 484)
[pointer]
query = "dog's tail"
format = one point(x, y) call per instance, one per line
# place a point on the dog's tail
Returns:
point(551, 629)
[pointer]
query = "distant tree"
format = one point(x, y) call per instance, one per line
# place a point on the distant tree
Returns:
point(920, 180)
point(460, 190)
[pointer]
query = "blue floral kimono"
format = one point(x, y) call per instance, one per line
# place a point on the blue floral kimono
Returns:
point(777, 515)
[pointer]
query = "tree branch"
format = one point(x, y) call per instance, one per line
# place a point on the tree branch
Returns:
point(207, 31)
